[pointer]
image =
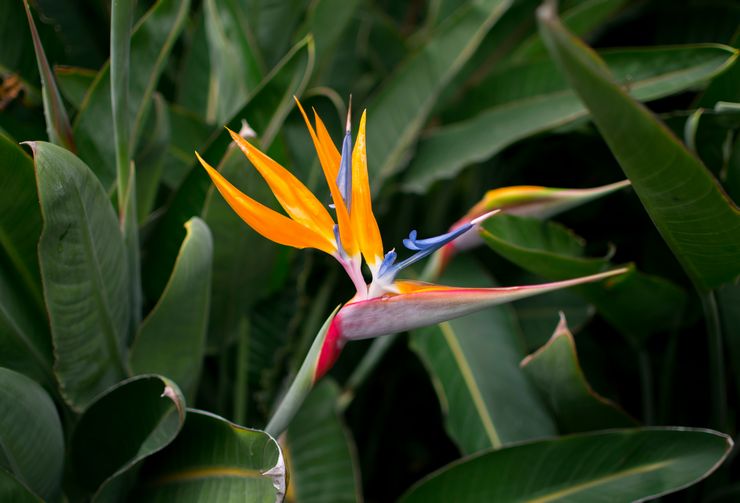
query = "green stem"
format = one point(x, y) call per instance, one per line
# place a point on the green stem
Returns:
point(300, 387)
point(717, 383)
point(122, 12)
point(366, 366)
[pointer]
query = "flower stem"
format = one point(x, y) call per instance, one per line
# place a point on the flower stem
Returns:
point(300, 387)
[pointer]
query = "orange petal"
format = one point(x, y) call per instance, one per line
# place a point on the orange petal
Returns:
point(363, 220)
point(293, 196)
point(332, 154)
point(349, 243)
point(267, 222)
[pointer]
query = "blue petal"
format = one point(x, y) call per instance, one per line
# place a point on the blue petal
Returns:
point(387, 264)
point(344, 177)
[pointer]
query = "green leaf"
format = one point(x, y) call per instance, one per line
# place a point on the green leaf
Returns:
point(474, 363)
point(85, 275)
point(555, 370)
point(273, 24)
point(171, 340)
point(692, 213)
point(31, 438)
point(57, 122)
point(20, 218)
point(637, 304)
point(622, 465)
point(401, 108)
point(129, 422)
point(265, 112)
point(151, 43)
point(25, 343)
point(234, 67)
point(11, 489)
point(187, 130)
point(74, 83)
point(320, 451)
point(214, 460)
point(520, 100)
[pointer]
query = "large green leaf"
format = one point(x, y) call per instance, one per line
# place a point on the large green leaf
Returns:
point(171, 340)
point(85, 275)
point(151, 43)
point(320, 452)
point(636, 303)
point(555, 370)
point(687, 205)
point(474, 363)
point(520, 100)
point(622, 465)
point(401, 108)
point(31, 438)
point(214, 460)
point(25, 344)
point(265, 112)
point(129, 422)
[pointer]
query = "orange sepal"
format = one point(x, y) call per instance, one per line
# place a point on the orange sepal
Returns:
point(293, 196)
point(266, 221)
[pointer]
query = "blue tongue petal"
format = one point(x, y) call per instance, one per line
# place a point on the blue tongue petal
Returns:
point(424, 247)
point(344, 177)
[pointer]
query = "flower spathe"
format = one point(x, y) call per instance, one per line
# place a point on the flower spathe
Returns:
point(385, 305)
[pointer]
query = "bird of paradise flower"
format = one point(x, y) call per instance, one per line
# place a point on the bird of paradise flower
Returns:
point(383, 306)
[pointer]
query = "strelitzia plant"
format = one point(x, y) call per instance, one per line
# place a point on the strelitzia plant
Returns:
point(382, 306)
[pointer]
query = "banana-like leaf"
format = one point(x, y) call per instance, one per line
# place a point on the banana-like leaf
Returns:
point(31, 438)
point(151, 42)
point(550, 250)
point(521, 100)
point(171, 340)
point(85, 275)
point(215, 460)
point(129, 422)
point(474, 363)
point(320, 453)
point(401, 108)
point(695, 217)
point(555, 370)
point(621, 465)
